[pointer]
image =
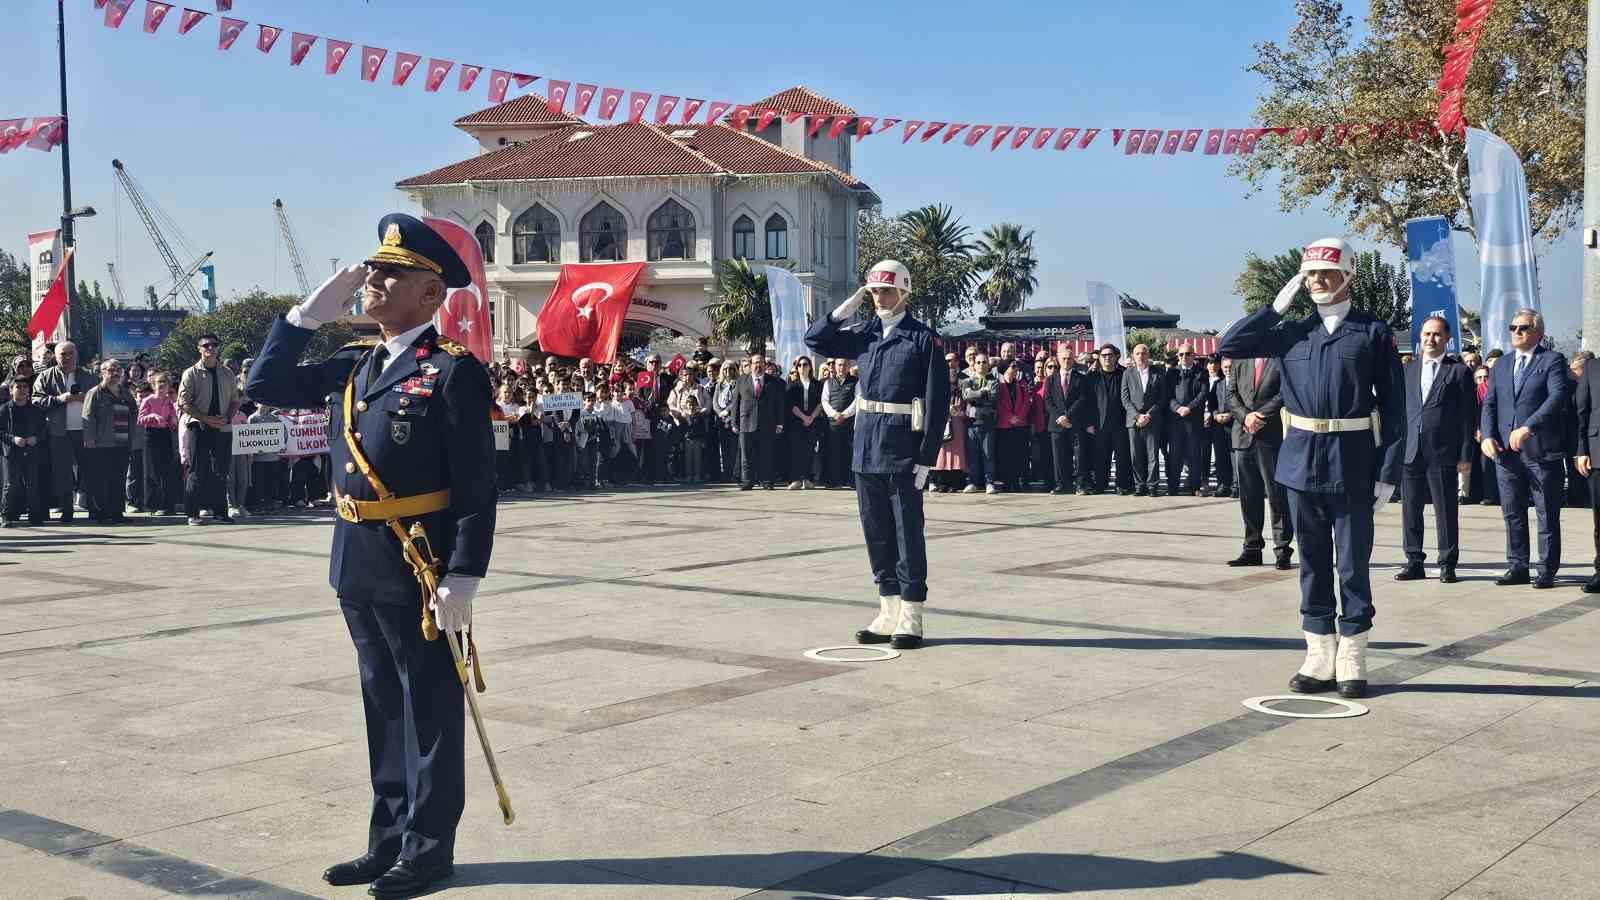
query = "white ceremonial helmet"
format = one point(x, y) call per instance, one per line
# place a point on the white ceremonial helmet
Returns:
point(890, 273)
point(1329, 253)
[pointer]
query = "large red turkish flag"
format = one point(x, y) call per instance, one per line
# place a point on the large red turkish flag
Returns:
point(583, 317)
point(464, 316)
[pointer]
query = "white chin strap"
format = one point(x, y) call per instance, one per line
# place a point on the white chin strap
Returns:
point(1326, 298)
point(897, 310)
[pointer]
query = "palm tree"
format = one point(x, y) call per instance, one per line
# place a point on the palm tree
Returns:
point(742, 310)
point(1006, 253)
point(936, 231)
point(940, 262)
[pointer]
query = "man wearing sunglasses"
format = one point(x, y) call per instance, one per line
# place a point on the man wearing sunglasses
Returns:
point(1344, 394)
point(208, 394)
point(1522, 432)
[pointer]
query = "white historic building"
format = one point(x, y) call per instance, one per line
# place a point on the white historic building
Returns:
point(546, 189)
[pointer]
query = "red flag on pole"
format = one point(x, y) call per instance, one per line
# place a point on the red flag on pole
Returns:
point(468, 77)
point(300, 47)
point(266, 37)
point(154, 14)
point(52, 304)
point(665, 104)
point(47, 132)
point(10, 129)
point(337, 51)
point(580, 103)
point(464, 315)
point(371, 61)
point(583, 316)
point(555, 92)
point(438, 71)
point(638, 103)
point(116, 11)
point(404, 64)
point(229, 32)
point(691, 106)
point(610, 99)
point(188, 19)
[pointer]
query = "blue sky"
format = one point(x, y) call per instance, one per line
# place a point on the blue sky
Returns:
point(216, 136)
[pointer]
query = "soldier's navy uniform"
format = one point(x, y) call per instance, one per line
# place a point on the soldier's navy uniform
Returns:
point(908, 365)
point(1330, 476)
point(423, 423)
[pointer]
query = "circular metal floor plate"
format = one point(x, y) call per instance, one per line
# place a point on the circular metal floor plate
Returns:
point(1341, 708)
point(873, 654)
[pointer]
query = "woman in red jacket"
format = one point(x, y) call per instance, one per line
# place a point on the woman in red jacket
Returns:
point(1013, 428)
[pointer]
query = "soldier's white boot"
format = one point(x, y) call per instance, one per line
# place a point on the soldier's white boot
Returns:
point(882, 628)
point(908, 630)
point(1352, 665)
point(1316, 673)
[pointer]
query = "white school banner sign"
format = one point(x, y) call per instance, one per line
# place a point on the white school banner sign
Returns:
point(263, 437)
point(305, 435)
point(502, 434)
point(564, 402)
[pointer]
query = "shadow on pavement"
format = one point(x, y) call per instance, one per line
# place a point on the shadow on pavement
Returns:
point(1141, 643)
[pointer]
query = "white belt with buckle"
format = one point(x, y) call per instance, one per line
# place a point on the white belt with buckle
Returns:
point(877, 406)
point(1331, 426)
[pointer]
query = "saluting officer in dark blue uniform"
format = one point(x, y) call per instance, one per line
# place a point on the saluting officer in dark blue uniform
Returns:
point(1345, 411)
point(902, 404)
point(418, 410)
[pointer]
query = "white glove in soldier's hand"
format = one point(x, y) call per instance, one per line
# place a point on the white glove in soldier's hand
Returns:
point(1380, 495)
point(330, 300)
point(921, 473)
point(1286, 297)
point(844, 310)
point(452, 606)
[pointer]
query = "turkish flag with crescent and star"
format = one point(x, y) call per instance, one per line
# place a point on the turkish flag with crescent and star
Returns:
point(583, 317)
point(464, 315)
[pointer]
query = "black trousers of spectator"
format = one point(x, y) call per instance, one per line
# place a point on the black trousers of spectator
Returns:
point(264, 486)
point(1069, 457)
point(728, 443)
point(1188, 450)
point(1105, 445)
point(107, 473)
point(836, 459)
point(1145, 443)
point(1011, 456)
point(1418, 482)
point(1042, 465)
point(23, 491)
point(1594, 505)
point(1219, 450)
point(755, 457)
point(805, 443)
point(66, 471)
point(207, 485)
point(133, 479)
point(656, 453)
point(302, 480)
point(1485, 481)
point(163, 476)
point(1255, 468)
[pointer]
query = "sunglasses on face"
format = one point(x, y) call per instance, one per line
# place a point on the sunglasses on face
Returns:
point(208, 346)
point(1518, 329)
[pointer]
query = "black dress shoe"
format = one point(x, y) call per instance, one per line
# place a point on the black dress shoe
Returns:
point(361, 870)
point(871, 637)
point(1447, 574)
point(1545, 580)
point(1284, 562)
point(1305, 684)
point(408, 878)
point(1247, 558)
point(1410, 573)
point(1059, 491)
point(905, 642)
point(747, 487)
point(1513, 575)
point(1592, 586)
point(1354, 689)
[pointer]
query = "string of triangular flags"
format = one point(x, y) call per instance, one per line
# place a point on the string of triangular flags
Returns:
point(1139, 141)
point(39, 133)
point(1470, 18)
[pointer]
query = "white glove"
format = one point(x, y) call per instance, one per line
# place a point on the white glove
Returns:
point(922, 475)
point(1381, 494)
point(847, 308)
point(1286, 298)
point(452, 606)
point(330, 300)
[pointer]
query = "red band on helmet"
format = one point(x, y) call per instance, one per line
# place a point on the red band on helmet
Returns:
point(881, 277)
point(1323, 254)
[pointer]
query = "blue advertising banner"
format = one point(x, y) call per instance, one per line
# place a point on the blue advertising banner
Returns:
point(1433, 277)
point(125, 333)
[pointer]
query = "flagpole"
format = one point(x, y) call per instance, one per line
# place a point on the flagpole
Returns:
point(1591, 191)
point(67, 240)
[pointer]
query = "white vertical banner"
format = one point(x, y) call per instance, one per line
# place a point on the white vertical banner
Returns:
point(1508, 279)
point(45, 254)
point(788, 299)
point(1105, 315)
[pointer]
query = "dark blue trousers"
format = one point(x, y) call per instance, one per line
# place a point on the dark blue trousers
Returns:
point(891, 519)
point(1519, 477)
point(415, 728)
point(1187, 449)
point(1323, 524)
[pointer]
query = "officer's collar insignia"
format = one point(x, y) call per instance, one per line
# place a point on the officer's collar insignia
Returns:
point(391, 237)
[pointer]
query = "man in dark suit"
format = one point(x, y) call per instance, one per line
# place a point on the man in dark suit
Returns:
point(1587, 449)
point(1255, 401)
point(1144, 406)
point(1440, 402)
point(1186, 426)
point(1110, 434)
point(1069, 413)
point(1219, 426)
point(757, 415)
point(1524, 434)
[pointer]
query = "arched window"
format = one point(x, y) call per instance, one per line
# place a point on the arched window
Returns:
point(744, 238)
point(485, 235)
point(671, 232)
point(603, 235)
point(777, 237)
point(536, 237)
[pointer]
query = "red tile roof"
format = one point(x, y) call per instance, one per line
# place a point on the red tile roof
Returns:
point(527, 109)
point(465, 170)
point(802, 99)
point(745, 154)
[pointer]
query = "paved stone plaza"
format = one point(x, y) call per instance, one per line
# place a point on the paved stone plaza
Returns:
point(182, 714)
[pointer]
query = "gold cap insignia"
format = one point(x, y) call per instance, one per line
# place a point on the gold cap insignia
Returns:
point(391, 237)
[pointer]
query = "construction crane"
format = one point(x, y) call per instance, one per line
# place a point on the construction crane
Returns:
point(294, 252)
point(181, 280)
point(116, 284)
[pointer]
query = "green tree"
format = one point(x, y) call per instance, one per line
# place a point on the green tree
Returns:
point(1526, 85)
point(939, 254)
point(742, 311)
point(16, 306)
point(1150, 337)
point(1378, 287)
point(245, 321)
point(1006, 254)
point(1261, 280)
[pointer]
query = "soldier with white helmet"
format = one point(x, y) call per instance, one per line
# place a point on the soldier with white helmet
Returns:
point(902, 403)
point(1344, 418)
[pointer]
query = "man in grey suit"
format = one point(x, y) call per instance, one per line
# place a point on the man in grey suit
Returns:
point(1255, 402)
point(757, 415)
point(1144, 406)
point(59, 390)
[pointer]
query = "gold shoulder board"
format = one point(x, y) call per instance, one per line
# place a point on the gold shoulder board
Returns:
point(453, 348)
point(360, 345)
